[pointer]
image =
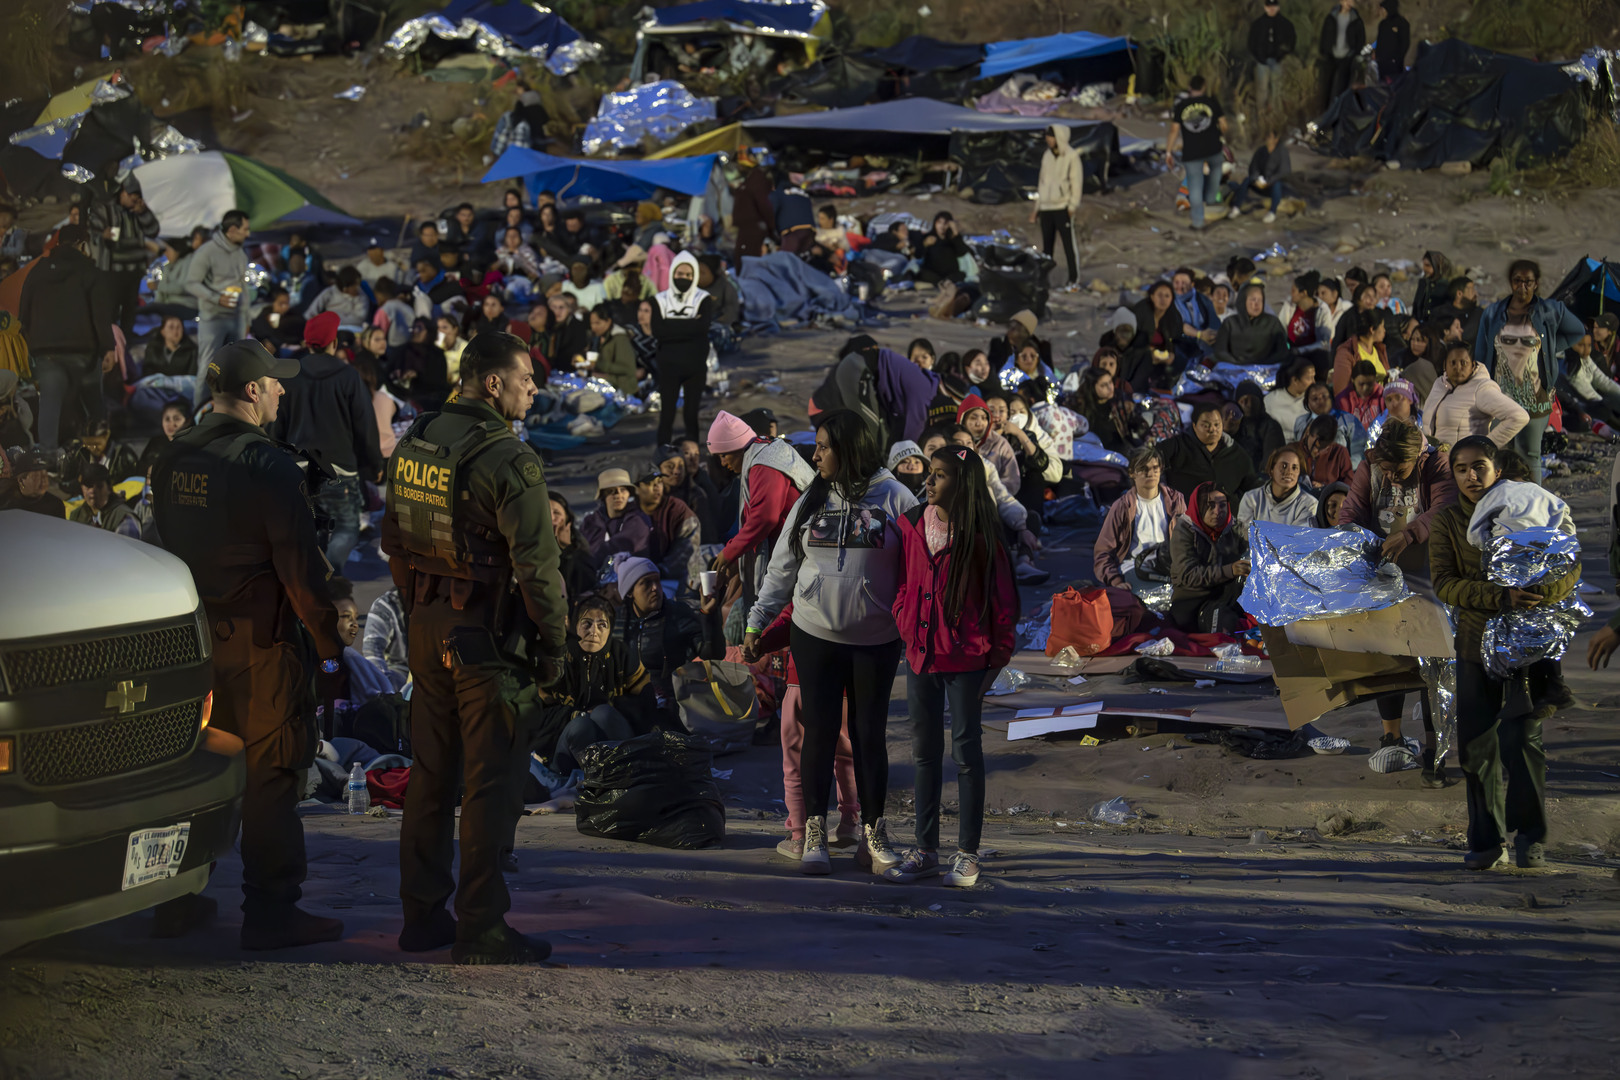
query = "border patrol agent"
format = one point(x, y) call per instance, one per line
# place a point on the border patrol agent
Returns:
point(469, 539)
point(232, 503)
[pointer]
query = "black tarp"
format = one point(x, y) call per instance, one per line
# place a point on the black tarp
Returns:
point(839, 81)
point(1461, 103)
point(1350, 126)
point(1591, 287)
point(920, 55)
point(1009, 162)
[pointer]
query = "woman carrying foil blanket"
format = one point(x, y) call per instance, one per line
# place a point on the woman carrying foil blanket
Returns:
point(1498, 722)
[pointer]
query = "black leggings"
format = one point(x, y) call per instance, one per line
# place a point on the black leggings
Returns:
point(675, 378)
point(1055, 224)
point(830, 672)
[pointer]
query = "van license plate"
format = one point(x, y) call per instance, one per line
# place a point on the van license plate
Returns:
point(155, 854)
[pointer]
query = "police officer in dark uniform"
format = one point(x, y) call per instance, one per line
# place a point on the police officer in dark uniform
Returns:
point(232, 504)
point(469, 539)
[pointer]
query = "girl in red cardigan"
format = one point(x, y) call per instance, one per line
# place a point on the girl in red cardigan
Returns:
point(955, 609)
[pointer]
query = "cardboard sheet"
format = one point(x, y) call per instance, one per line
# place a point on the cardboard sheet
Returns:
point(1313, 681)
point(1028, 723)
point(1414, 627)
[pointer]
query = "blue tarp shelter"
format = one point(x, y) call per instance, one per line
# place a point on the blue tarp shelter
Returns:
point(610, 181)
point(783, 18)
point(923, 54)
point(660, 110)
point(1006, 57)
point(906, 126)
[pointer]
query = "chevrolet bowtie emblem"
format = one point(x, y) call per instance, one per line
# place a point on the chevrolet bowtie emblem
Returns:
point(125, 696)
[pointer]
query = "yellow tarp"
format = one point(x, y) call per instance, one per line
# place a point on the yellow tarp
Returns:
point(67, 103)
point(722, 140)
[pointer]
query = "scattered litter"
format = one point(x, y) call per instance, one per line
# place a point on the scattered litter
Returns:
point(1021, 808)
point(1259, 837)
point(1010, 681)
point(936, 907)
point(1067, 657)
point(1157, 647)
point(1090, 740)
point(353, 93)
point(1078, 680)
point(1336, 823)
point(1329, 744)
point(1115, 811)
point(1027, 723)
point(720, 774)
point(1157, 690)
point(1203, 684)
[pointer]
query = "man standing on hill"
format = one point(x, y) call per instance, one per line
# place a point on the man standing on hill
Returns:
point(1057, 196)
point(1344, 35)
point(1271, 40)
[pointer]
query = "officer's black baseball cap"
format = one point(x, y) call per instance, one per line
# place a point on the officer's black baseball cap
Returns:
point(241, 362)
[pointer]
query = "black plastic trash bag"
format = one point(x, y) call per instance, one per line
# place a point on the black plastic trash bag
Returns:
point(653, 789)
point(1012, 280)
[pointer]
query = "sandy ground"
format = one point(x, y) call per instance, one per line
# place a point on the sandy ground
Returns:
point(1219, 936)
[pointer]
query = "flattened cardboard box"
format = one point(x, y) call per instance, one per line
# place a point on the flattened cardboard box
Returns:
point(1325, 664)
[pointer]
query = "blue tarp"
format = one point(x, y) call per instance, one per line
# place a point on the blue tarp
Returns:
point(662, 110)
point(610, 181)
point(524, 26)
point(1006, 57)
point(789, 18)
point(909, 125)
point(784, 286)
point(924, 54)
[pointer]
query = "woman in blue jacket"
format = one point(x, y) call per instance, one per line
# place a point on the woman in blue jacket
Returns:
point(1520, 340)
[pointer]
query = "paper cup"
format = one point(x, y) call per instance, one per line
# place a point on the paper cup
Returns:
point(116, 231)
point(707, 581)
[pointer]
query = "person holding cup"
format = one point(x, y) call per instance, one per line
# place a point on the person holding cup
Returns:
point(216, 274)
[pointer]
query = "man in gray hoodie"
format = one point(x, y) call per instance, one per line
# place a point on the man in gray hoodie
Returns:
point(217, 277)
point(1057, 196)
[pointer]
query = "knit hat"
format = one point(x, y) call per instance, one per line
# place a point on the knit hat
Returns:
point(901, 450)
point(1026, 319)
point(1247, 386)
point(321, 331)
point(729, 433)
point(1122, 316)
point(1403, 388)
point(969, 403)
point(632, 570)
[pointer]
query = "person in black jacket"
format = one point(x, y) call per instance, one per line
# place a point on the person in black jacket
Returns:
point(1257, 434)
point(1394, 38)
point(1271, 40)
point(328, 416)
point(681, 317)
point(660, 634)
point(943, 249)
point(574, 563)
point(1206, 453)
point(66, 311)
point(1344, 35)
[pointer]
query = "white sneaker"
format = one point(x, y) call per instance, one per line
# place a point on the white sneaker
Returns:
point(815, 859)
point(964, 871)
point(876, 853)
point(1269, 218)
point(1236, 211)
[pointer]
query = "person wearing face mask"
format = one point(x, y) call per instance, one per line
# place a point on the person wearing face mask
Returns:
point(680, 324)
point(1208, 564)
point(908, 465)
point(1466, 401)
point(1206, 453)
point(1280, 499)
point(1521, 338)
point(617, 525)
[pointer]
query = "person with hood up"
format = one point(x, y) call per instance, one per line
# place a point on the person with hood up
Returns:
point(1133, 546)
point(1521, 339)
point(215, 275)
point(66, 313)
point(1151, 358)
point(615, 352)
point(908, 465)
point(1253, 336)
point(1280, 499)
point(681, 317)
point(328, 415)
point(974, 415)
point(841, 566)
point(1393, 40)
point(600, 696)
point(616, 526)
point(1209, 561)
point(1057, 197)
point(770, 477)
point(1027, 366)
point(1466, 401)
point(1434, 287)
point(1205, 453)
point(1257, 433)
point(1329, 498)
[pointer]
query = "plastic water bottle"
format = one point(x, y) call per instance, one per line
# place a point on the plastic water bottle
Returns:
point(359, 797)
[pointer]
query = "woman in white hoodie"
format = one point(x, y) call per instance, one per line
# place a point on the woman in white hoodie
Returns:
point(839, 564)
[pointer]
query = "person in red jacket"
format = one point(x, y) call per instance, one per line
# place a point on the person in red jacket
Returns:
point(772, 476)
point(955, 609)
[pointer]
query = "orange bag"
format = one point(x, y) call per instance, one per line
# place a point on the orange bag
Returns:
point(1082, 619)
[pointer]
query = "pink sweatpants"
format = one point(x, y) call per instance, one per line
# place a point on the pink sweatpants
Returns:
point(849, 807)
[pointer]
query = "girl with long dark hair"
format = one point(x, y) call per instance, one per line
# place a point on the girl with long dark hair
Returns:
point(955, 609)
point(840, 565)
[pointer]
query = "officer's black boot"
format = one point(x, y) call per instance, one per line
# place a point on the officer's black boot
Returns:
point(286, 928)
point(438, 931)
point(500, 945)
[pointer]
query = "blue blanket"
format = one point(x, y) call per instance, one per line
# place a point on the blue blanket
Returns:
point(784, 286)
